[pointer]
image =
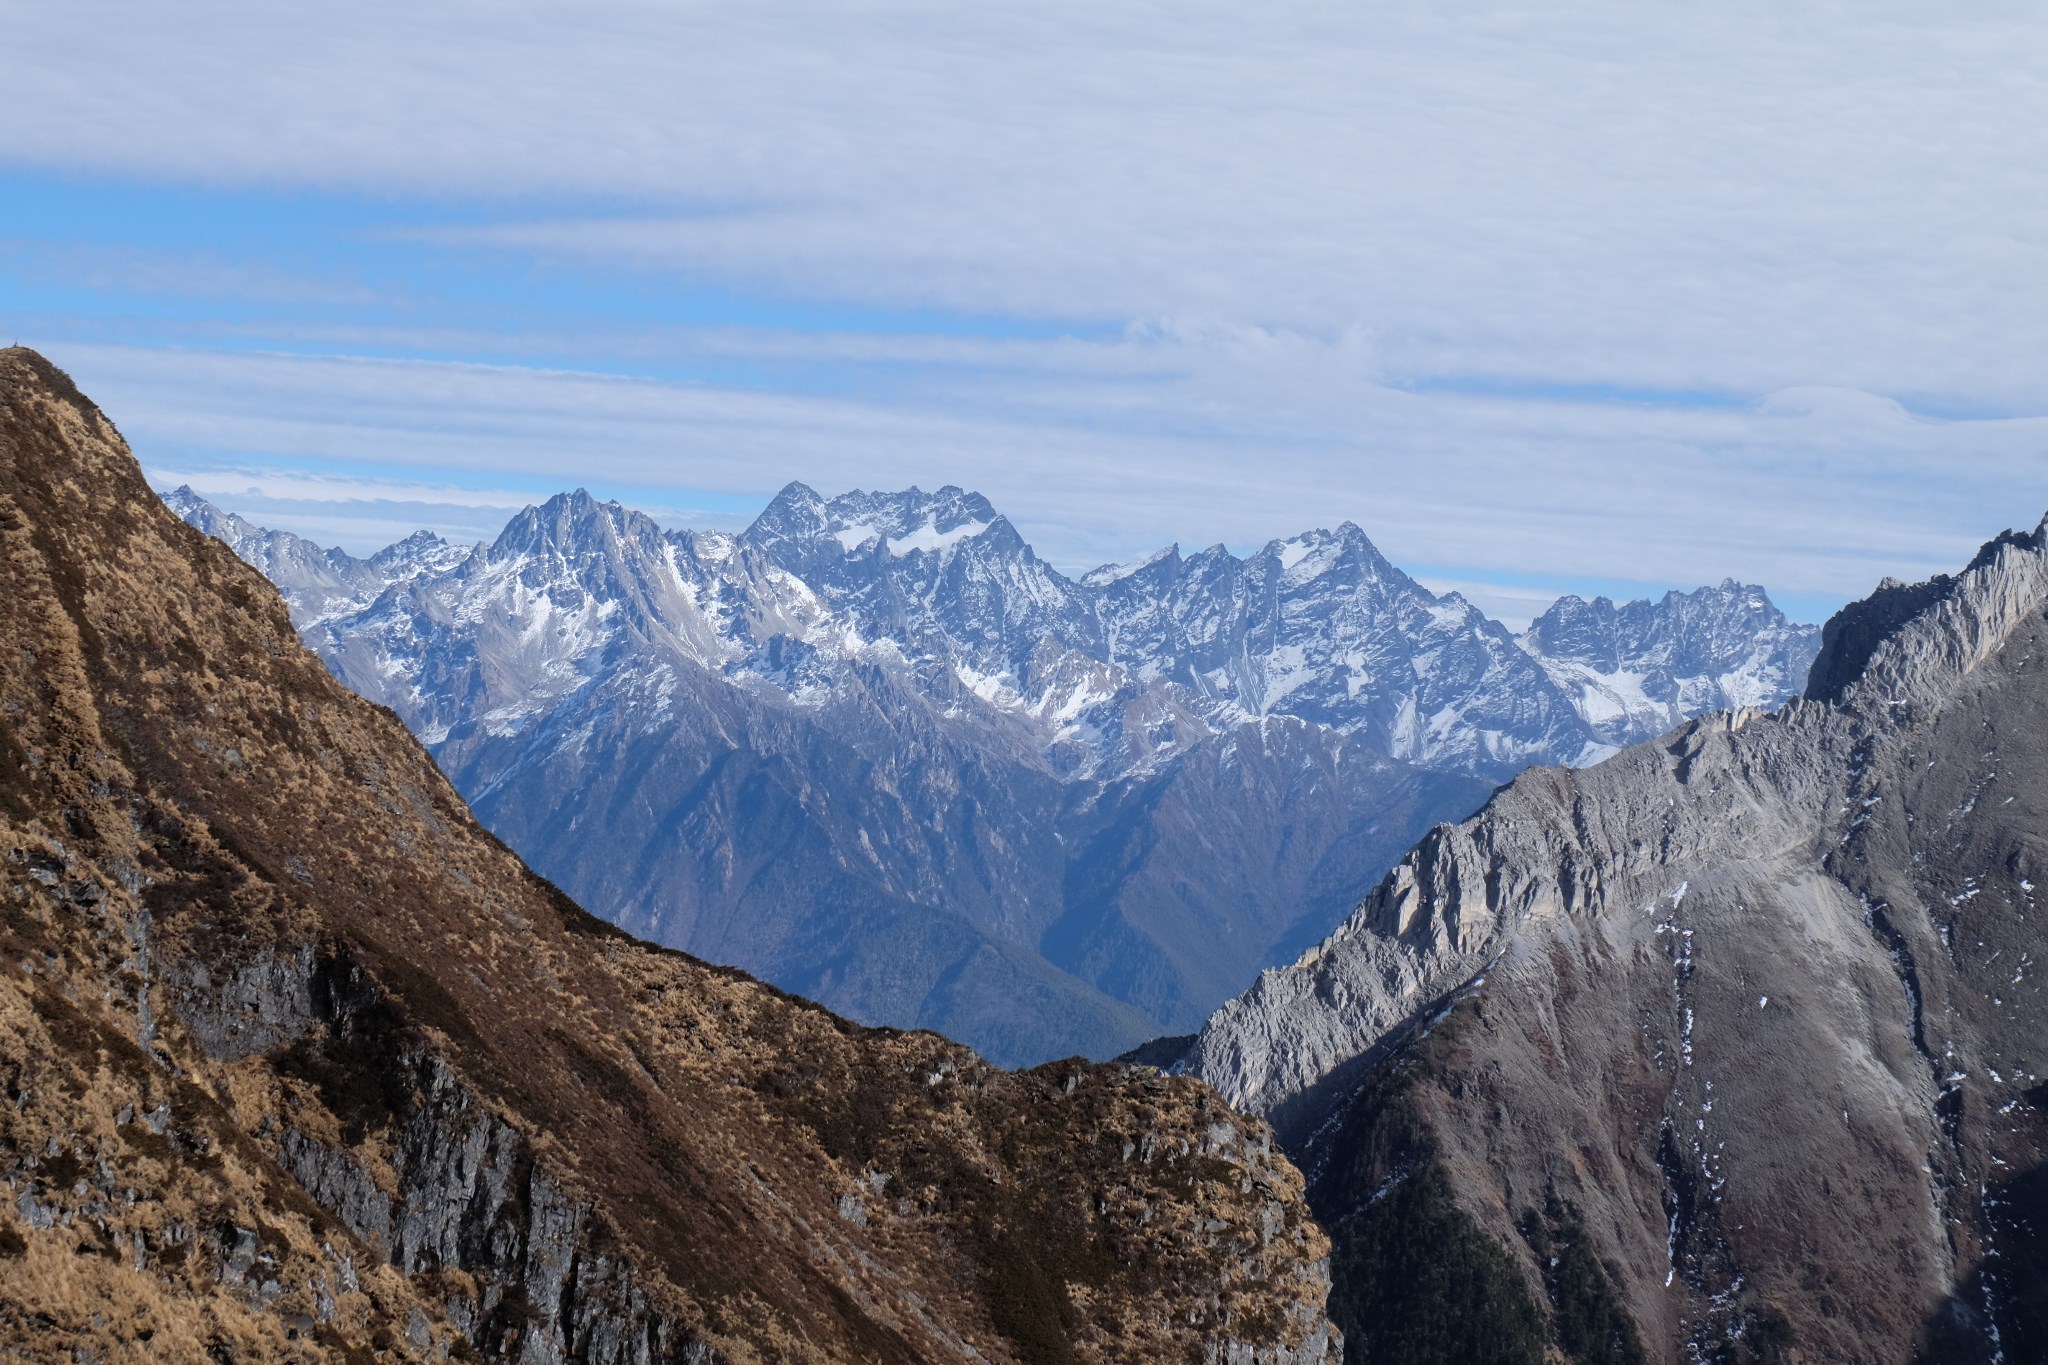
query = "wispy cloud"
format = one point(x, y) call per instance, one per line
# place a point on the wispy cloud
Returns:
point(1736, 198)
point(159, 272)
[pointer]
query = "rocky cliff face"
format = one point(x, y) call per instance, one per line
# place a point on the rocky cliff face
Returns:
point(877, 751)
point(299, 1063)
point(1725, 1049)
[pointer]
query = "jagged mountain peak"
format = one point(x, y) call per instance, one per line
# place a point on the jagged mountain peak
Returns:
point(231, 527)
point(1455, 606)
point(421, 552)
point(1160, 563)
point(1347, 538)
point(898, 513)
point(2027, 540)
point(1634, 669)
point(1908, 642)
point(417, 542)
point(796, 512)
point(1729, 594)
point(1303, 555)
point(572, 522)
point(1704, 621)
point(897, 523)
point(183, 498)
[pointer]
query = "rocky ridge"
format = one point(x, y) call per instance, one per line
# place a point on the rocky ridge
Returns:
point(302, 1064)
point(1725, 1049)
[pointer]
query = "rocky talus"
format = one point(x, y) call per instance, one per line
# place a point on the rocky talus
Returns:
point(298, 1063)
point(1722, 1050)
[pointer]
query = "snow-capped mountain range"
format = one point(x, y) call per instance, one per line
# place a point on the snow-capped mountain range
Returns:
point(1108, 800)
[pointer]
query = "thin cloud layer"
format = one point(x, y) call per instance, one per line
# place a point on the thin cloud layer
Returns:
point(1731, 199)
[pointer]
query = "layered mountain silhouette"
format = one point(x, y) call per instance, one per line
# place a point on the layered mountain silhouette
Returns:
point(1726, 1049)
point(299, 1063)
point(877, 751)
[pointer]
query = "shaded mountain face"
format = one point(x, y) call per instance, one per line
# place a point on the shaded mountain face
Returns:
point(302, 1064)
point(875, 750)
point(1725, 1049)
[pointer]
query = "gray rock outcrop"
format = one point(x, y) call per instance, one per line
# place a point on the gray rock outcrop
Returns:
point(1748, 1014)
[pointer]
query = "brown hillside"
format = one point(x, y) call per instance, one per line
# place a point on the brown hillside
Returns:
point(298, 1062)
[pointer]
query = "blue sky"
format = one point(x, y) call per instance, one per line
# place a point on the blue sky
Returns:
point(1565, 297)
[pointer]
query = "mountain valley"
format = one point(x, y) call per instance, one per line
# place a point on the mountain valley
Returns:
point(875, 750)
